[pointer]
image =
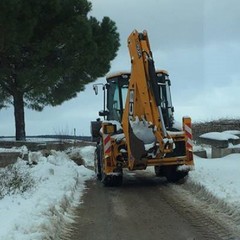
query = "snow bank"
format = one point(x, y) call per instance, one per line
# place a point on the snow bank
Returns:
point(219, 177)
point(39, 212)
point(87, 154)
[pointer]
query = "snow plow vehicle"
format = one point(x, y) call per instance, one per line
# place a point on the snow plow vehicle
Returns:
point(138, 129)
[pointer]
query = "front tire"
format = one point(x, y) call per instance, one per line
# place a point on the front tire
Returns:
point(112, 180)
point(97, 162)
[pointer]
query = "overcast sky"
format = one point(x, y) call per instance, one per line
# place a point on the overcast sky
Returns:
point(197, 42)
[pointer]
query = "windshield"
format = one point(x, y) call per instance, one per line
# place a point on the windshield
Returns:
point(116, 96)
point(166, 101)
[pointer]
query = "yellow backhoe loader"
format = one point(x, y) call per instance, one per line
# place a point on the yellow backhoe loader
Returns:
point(138, 129)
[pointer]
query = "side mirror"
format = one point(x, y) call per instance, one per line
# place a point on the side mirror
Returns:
point(95, 88)
point(103, 113)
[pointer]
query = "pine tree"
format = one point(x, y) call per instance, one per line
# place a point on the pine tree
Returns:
point(47, 52)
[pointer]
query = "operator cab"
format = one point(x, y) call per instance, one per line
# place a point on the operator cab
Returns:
point(164, 84)
point(117, 89)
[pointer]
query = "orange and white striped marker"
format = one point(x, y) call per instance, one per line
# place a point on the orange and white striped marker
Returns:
point(107, 144)
point(187, 127)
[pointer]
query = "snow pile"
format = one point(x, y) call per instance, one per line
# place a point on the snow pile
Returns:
point(219, 136)
point(38, 212)
point(87, 154)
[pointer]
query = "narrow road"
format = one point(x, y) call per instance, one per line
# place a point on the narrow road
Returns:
point(144, 208)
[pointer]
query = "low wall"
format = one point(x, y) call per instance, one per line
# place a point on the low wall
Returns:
point(222, 152)
point(7, 158)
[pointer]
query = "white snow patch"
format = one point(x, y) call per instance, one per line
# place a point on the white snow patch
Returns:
point(149, 146)
point(185, 168)
point(230, 145)
point(22, 149)
point(219, 176)
point(59, 183)
point(177, 125)
point(219, 136)
point(118, 137)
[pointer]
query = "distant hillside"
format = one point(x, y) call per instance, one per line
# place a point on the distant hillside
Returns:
point(58, 137)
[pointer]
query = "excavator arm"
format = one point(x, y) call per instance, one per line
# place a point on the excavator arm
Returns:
point(143, 104)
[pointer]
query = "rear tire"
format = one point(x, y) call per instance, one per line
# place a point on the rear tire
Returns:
point(112, 180)
point(158, 171)
point(173, 175)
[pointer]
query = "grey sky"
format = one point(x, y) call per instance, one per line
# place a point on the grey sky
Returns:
point(198, 42)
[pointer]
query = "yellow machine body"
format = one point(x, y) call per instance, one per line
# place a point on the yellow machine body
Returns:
point(123, 144)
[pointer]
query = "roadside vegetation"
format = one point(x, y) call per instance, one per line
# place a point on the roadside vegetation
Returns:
point(13, 179)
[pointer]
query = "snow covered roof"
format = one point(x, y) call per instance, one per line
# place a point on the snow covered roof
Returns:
point(116, 74)
point(221, 136)
point(119, 73)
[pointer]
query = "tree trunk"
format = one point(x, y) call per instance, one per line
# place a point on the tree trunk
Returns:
point(18, 104)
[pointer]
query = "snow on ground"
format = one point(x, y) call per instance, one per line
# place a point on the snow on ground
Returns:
point(220, 177)
point(58, 184)
point(31, 139)
point(22, 149)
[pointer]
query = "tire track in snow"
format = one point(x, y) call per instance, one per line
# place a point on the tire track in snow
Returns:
point(206, 214)
point(203, 211)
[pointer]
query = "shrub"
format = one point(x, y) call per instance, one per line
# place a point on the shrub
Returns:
point(15, 179)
